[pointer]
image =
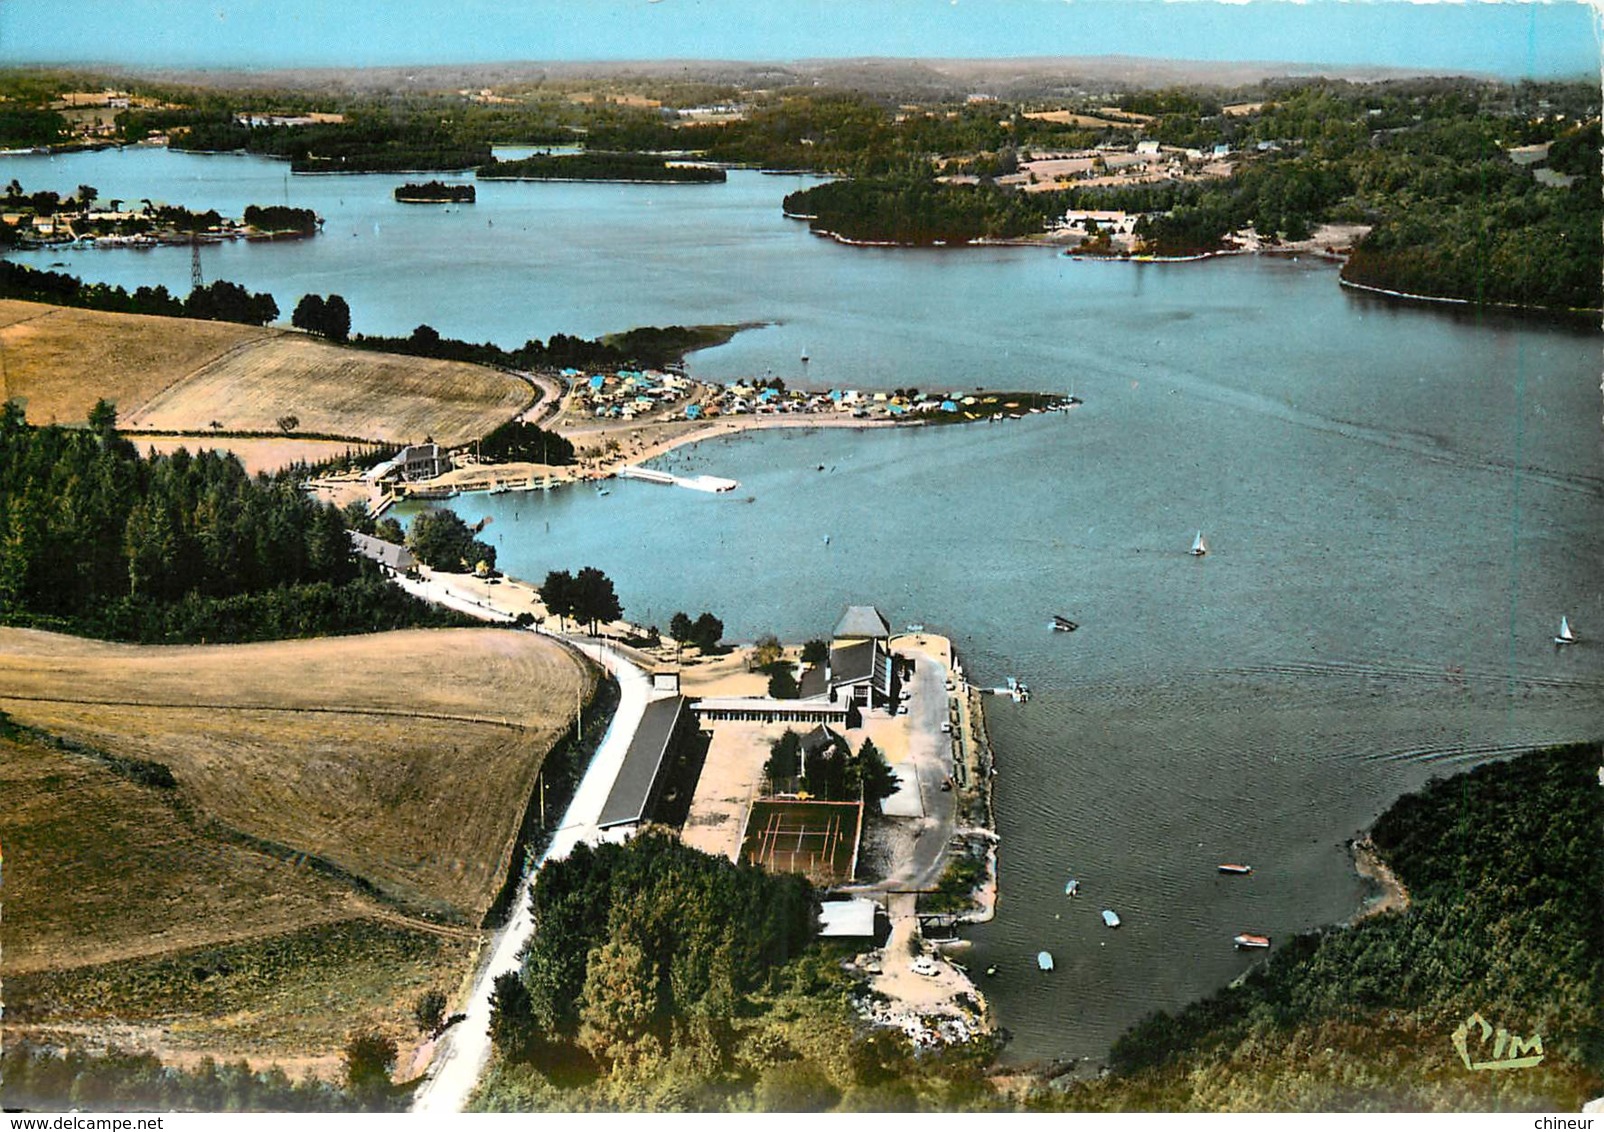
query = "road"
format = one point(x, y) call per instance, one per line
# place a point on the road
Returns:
point(464, 1050)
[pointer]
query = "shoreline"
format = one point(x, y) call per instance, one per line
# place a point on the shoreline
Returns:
point(1522, 308)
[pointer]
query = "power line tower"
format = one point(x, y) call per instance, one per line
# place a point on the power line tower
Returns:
point(196, 279)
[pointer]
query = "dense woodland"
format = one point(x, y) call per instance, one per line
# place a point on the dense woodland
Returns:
point(595, 165)
point(99, 540)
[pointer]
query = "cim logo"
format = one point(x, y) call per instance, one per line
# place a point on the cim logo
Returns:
point(1509, 1051)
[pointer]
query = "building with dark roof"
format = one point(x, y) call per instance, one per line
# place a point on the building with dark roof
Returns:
point(391, 556)
point(860, 669)
point(664, 725)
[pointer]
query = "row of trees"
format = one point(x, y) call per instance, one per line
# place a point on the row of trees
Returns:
point(586, 597)
point(829, 771)
point(704, 632)
point(329, 317)
point(653, 346)
point(96, 538)
point(40, 1078)
point(596, 165)
point(220, 301)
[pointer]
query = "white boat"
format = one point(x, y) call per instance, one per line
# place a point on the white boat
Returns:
point(804, 353)
point(1565, 636)
point(1110, 918)
point(1237, 870)
point(1072, 888)
point(1199, 547)
point(1044, 960)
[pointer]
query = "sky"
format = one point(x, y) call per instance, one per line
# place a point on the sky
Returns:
point(1514, 39)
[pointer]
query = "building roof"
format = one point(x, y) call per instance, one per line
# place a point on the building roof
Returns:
point(862, 621)
point(821, 738)
point(847, 917)
point(813, 683)
point(391, 554)
point(851, 663)
point(762, 704)
point(643, 762)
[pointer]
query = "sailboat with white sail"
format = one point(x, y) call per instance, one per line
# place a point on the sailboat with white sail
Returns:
point(1565, 636)
point(1199, 547)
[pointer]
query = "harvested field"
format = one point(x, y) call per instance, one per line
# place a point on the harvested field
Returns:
point(404, 760)
point(188, 376)
point(60, 360)
point(337, 392)
point(80, 840)
point(129, 919)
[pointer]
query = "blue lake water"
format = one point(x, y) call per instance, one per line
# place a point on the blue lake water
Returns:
point(1400, 503)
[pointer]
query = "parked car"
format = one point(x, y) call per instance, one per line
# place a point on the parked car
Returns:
point(923, 966)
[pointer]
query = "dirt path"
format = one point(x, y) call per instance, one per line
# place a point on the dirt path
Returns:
point(1394, 896)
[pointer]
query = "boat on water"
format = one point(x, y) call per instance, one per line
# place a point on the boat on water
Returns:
point(1236, 870)
point(1063, 624)
point(1565, 636)
point(1072, 888)
point(804, 353)
point(1110, 918)
point(1248, 940)
point(603, 491)
point(1199, 547)
point(1044, 960)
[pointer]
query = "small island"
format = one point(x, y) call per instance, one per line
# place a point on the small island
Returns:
point(653, 168)
point(435, 192)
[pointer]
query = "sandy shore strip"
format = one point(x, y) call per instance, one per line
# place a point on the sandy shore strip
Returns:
point(1367, 862)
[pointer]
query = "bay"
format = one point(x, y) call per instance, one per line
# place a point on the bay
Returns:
point(1400, 503)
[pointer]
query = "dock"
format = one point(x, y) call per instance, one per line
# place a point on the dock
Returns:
point(695, 483)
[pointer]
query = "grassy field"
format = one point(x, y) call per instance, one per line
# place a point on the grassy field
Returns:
point(403, 759)
point(182, 375)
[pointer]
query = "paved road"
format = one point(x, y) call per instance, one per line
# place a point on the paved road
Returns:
point(464, 1050)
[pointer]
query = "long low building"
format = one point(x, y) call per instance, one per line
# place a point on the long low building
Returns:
point(640, 780)
point(761, 709)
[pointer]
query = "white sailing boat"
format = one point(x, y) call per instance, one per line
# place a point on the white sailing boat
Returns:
point(1565, 636)
point(1199, 547)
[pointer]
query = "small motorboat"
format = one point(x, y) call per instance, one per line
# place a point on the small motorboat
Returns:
point(1199, 547)
point(1247, 940)
point(1063, 624)
point(1236, 870)
point(1110, 918)
point(1565, 636)
point(1072, 888)
point(1044, 960)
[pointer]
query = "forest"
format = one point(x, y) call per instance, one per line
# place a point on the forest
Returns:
point(595, 165)
point(99, 540)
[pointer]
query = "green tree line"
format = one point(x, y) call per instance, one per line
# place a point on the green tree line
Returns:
point(95, 538)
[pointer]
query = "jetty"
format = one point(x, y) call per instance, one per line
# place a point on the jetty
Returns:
point(695, 483)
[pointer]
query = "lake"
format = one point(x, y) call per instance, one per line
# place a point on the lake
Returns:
point(1400, 502)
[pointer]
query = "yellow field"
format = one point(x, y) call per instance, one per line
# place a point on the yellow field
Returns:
point(404, 759)
point(59, 361)
point(338, 392)
point(185, 375)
